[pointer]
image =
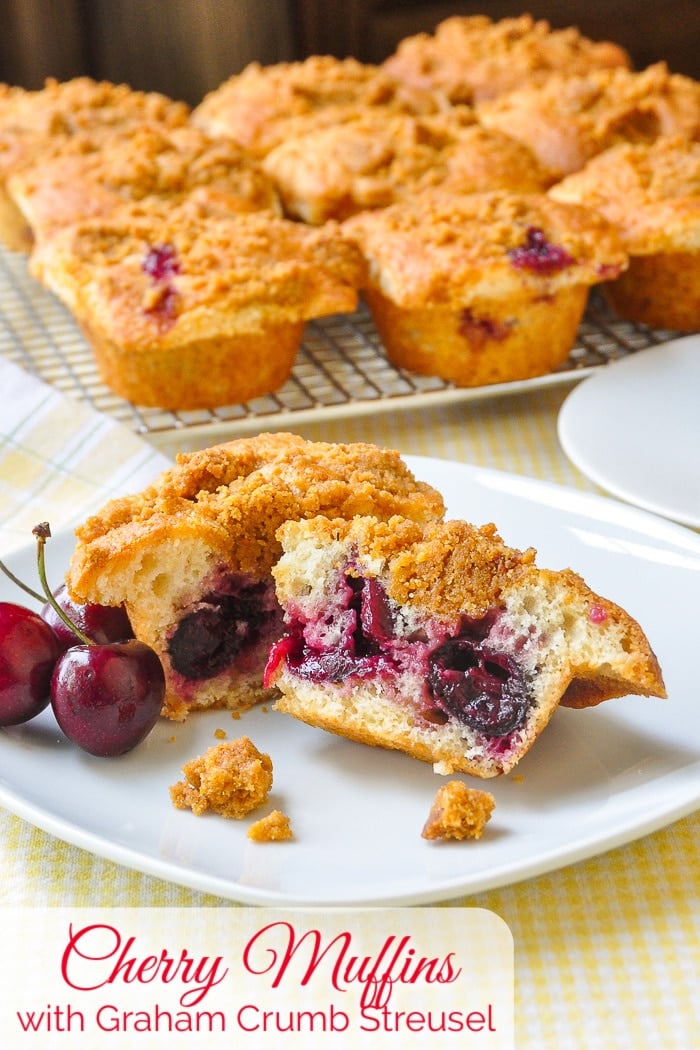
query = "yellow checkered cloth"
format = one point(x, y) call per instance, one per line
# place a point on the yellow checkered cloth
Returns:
point(607, 950)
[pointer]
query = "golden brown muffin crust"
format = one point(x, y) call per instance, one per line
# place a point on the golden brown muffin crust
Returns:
point(474, 58)
point(253, 106)
point(225, 274)
point(376, 158)
point(91, 177)
point(570, 119)
point(230, 779)
point(440, 247)
point(651, 192)
point(239, 493)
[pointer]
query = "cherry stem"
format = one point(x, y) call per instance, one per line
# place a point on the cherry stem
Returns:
point(15, 579)
point(43, 533)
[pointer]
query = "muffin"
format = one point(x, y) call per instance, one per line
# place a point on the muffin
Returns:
point(35, 124)
point(185, 307)
point(255, 106)
point(377, 158)
point(440, 641)
point(570, 119)
point(652, 195)
point(470, 59)
point(486, 288)
point(92, 178)
point(190, 557)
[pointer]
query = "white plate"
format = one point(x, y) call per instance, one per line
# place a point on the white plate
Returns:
point(634, 429)
point(594, 779)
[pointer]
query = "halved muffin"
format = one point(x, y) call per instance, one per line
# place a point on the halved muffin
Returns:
point(440, 641)
point(190, 557)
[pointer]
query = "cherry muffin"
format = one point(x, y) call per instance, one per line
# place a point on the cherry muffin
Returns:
point(254, 107)
point(440, 641)
point(376, 158)
point(470, 59)
point(652, 195)
point(185, 307)
point(90, 178)
point(34, 124)
point(190, 557)
point(570, 119)
point(485, 288)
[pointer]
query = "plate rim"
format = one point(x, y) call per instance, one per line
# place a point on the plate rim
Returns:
point(601, 477)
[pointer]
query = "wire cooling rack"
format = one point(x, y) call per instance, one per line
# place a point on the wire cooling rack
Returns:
point(341, 368)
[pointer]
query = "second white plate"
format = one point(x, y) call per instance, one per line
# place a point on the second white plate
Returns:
point(634, 429)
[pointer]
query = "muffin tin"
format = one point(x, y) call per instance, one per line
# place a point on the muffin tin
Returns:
point(341, 369)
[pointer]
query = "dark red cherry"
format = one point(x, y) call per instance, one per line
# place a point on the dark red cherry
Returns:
point(540, 255)
point(28, 653)
point(478, 686)
point(101, 623)
point(107, 698)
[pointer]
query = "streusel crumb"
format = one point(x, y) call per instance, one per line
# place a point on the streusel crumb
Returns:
point(275, 827)
point(230, 779)
point(458, 812)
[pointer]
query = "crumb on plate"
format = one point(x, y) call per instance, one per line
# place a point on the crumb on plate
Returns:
point(230, 779)
point(458, 812)
point(275, 827)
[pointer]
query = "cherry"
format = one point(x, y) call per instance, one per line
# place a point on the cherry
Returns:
point(539, 255)
point(101, 623)
point(28, 652)
point(107, 698)
point(106, 692)
point(480, 687)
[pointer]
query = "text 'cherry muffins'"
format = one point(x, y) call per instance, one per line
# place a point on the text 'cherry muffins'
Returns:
point(190, 557)
point(440, 641)
point(651, 193)
point(186, 307)
point(482, 288)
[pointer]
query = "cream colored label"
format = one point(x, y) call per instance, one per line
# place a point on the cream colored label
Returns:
point(423, 978)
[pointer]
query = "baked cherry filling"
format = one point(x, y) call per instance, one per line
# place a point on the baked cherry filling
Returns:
point(360, 651)
point(465, 677)
point(220, 628)
point(539, 255)
point(476, 685)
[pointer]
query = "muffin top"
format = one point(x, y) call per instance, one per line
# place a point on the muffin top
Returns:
point(376, 158)
point(253, 107)
point(651, 192)
point(149, 270)
point(238, 494)
point(89, 177)
point(470, 59)
point(570, 119)
point(31, 119)
point(439, 248)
